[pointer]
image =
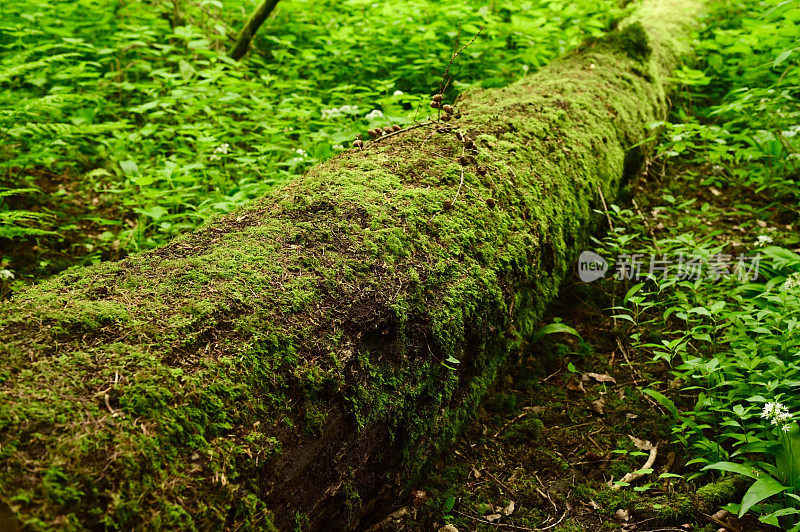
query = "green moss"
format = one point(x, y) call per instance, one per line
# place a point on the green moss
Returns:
point(635, 41)
point(720, 492)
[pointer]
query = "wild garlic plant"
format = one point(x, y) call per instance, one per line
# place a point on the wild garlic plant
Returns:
point(731, 344)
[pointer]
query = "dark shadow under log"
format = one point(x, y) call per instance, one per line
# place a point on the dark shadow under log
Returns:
point(291, 363)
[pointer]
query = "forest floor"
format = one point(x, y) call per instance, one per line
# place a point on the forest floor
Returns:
point(569, 417)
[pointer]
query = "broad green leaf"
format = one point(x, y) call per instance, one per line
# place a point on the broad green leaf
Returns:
point(554, 328)
point(772, 519)
point(143, 180)
point(187, 70)
point(763, 488)
point(129, 168)
point(155, 212)
point(663, 401)
point(635, 288)
point(783, 56)
point(732, 467)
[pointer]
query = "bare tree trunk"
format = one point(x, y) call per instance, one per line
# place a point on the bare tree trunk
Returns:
point(251, 27)
point(294, 362)
point(177, 14)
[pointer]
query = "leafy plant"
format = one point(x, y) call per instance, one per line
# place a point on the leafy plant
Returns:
point(723, 313)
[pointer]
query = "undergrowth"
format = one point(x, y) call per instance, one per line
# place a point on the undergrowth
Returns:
point(123, 129)
point(709, 267)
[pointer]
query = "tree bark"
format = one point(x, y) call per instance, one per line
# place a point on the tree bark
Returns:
point(251, 27)
point(301, 359)
point(177, 19)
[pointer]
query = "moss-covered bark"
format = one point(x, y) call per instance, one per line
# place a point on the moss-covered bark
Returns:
point(287, 363)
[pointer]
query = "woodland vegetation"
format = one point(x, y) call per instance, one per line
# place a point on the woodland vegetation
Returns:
point(318, 265)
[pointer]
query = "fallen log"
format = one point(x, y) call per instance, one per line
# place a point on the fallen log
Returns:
point(293, 363)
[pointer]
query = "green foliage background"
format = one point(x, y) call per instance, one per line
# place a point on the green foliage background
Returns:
point(119, 131)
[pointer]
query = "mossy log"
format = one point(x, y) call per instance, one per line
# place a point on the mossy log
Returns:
point(298, 360)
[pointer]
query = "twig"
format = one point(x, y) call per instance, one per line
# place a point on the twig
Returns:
point(559, 370)
point(546, 493)
point(510, 169)
point(628, 361)
point(509, 423)
point(509, 490)
point(670, 462)
point(646, 225)
point(460, 183)
point(584, 462)
point(108, 405)
point(408, 128)
point(595, 443)
point(507, 525)
point(631, 477)
point(719, 522)
point(453, 58)
point(605, 208)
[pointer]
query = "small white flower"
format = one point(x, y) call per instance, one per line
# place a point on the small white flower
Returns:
point(6, 275)
point(222, 148)
point(398, 93)
point(301, 152)
point(763, 240)
point(375, 113)
point(339, 111)
point(777, 414)
point(791, 283)
point(338, 147)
